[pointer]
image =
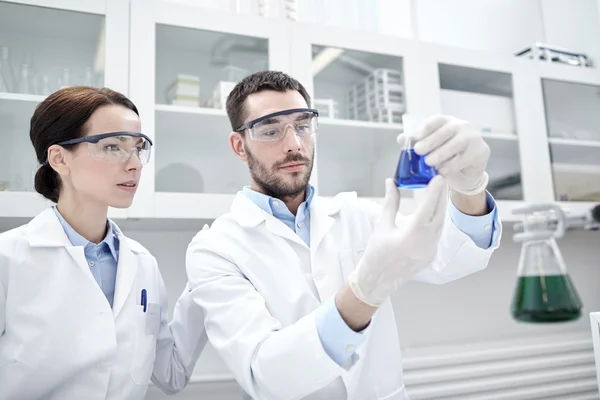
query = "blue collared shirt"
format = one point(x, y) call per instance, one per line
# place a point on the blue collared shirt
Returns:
point(102, 258)
point(338, 340)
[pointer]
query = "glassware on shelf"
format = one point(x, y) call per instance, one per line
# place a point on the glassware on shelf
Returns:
point(89, 77)
point(64, 81)
point(24, 84)
point(263, 8)
point(6, 71)
point(45, 89)
point(3, 83)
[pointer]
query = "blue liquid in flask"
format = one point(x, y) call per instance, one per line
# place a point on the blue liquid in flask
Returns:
point(412, 172)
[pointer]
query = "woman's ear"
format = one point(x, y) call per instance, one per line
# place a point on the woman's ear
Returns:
point(57, 160)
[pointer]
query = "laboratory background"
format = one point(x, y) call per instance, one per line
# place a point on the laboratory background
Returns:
point(526, 73)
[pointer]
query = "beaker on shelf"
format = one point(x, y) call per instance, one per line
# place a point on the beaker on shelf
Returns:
point(24, 86)
point(412, 172)
point(544, 290)
point(6, 71)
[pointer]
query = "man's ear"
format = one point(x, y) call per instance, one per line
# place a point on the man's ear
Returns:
point(236, 141)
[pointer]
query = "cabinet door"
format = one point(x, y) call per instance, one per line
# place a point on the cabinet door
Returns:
point(46, 45)
point(359, 84)
point(484, 97)
point(573, 123)
point(184, 62)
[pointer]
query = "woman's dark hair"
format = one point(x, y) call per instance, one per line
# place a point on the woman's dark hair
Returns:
point(63, 116)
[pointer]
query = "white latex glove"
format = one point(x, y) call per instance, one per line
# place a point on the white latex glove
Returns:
point(456, 150)
point(395, 252)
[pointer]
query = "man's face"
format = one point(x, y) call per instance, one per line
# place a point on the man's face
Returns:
point(281, 168)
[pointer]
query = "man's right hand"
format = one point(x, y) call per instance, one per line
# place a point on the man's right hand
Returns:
point(396, 252)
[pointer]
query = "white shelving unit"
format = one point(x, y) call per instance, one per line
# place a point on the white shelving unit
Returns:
point(81, 41)
point(194, 174)
point(140, 46)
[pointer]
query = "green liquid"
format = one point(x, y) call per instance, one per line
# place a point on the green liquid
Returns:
point(549, 298)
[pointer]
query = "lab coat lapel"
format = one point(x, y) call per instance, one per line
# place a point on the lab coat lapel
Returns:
point(249, 214)
point(45, 230)
point(127, 269)
point(322, 213)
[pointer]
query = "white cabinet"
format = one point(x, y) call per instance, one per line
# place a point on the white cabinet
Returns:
point(177, 61)
point(45, 45)
point(183, 60)
point(364, 76)
point(573, 124)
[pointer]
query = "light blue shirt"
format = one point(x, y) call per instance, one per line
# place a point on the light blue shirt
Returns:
point(338, 340)
point(102, 258)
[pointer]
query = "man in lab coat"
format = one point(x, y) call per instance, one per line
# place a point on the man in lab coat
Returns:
point(295, 287)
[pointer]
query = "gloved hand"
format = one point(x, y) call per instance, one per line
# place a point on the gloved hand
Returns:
point(456, 150)
point(396, 251)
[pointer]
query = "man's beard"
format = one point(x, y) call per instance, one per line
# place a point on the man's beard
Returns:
point(274, 186)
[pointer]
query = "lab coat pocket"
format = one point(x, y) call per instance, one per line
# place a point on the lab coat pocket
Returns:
point(152, 318)
point(142, 361)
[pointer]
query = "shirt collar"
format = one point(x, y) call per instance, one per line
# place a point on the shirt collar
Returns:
point(77, 240)
point(267, 203)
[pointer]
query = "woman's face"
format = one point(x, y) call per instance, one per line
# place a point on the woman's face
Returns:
point(100, 179)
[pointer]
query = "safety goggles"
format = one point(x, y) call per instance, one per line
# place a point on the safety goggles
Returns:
point(116, 147)
point(272, 127)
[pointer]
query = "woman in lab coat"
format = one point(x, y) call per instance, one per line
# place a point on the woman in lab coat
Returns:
point(83, 308)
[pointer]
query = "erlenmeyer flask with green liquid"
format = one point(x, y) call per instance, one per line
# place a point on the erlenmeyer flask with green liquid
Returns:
point(544, 291)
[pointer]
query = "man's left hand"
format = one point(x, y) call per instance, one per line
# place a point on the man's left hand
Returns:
point(456, 150)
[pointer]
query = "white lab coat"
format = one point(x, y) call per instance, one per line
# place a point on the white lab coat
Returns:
point(259, 286)
point(59, 338)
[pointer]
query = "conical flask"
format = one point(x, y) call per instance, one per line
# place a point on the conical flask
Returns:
point(412, 172)
point(544, 291)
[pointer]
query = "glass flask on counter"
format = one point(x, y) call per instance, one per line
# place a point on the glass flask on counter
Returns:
point(544, 290)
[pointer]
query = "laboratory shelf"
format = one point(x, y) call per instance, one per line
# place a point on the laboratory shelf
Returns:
point(571, 151)
point(30, 98)
point(29, 204)
point(574, 142)
point(509, 136)
point(168, 108)
point(348, 123)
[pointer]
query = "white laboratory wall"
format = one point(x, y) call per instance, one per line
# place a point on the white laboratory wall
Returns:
point(477, 308)
point(510, 25)
point(573, 24)
point(498, 25)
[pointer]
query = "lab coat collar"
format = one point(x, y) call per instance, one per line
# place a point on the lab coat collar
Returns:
point(45, 230)
point(111, 239)
point(322, 210)
point(248, 214)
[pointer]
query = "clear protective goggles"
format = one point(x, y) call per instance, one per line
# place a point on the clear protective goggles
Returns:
point(273, 127)
point(116, 147)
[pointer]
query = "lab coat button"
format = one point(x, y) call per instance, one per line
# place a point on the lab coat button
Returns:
point(350, 348)
point(299, 225)
point(275, 203)
point(91, 263)
point(487, 227)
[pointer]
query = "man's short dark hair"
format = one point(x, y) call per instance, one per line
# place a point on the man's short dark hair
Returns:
point(257, 82)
